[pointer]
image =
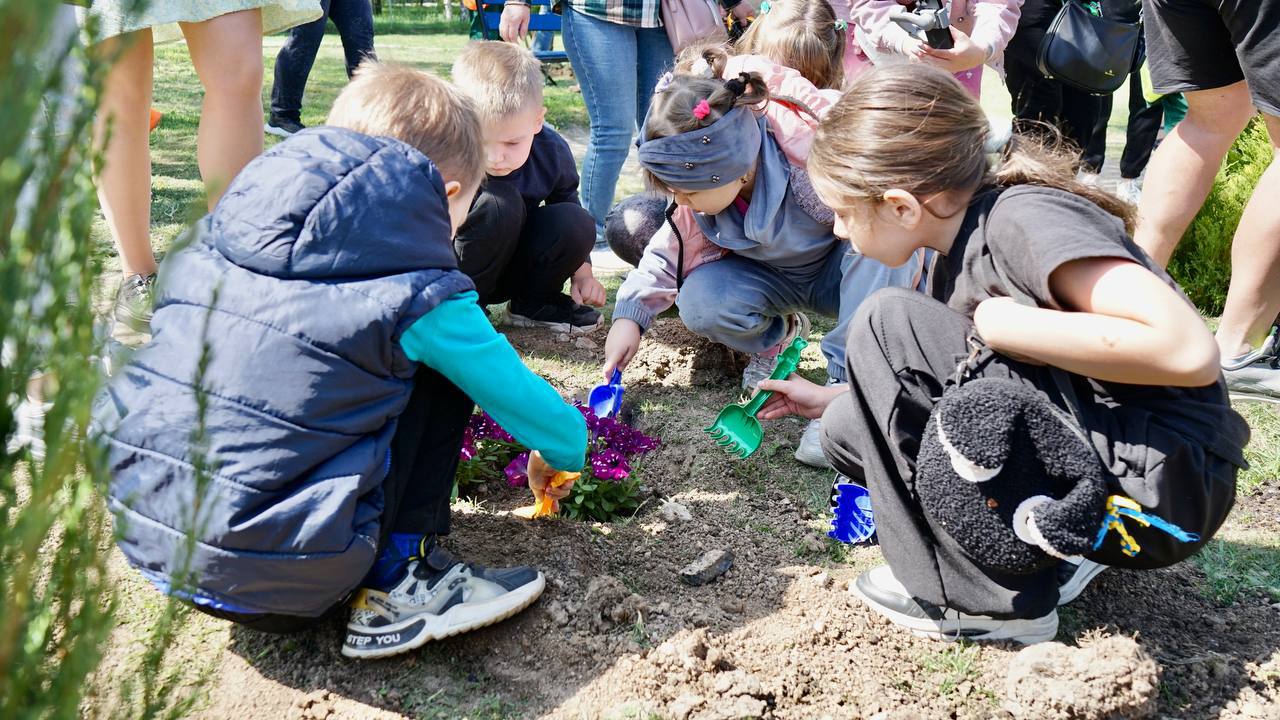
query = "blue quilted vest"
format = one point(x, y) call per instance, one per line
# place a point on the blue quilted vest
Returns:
point(322, 252)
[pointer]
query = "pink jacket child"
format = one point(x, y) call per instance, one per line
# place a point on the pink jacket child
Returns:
point(668, 259)
point(988, 23)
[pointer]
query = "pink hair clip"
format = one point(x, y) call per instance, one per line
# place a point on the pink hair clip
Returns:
point(702, 109)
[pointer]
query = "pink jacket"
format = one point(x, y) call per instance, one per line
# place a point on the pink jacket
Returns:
point(651, 287)
point(989, 23)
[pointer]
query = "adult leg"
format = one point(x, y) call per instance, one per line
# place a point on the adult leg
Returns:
point(1253, 298)
point(354, 20)
point(293, 66)
point(597, 50)
point(124, 185)
point(1140, 136)
point(1182, 169)
point(1084, 123)
point(740, 303)
point(488, 239)
point(903, 346)
point(1035, 99)
point(653, 58)
point(556, 241)
point(227, 54)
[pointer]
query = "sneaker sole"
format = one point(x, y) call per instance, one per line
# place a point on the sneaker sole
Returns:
point(1078, 582)
point(559, 327)
point(1247, 397)
point(278, 132)
point(1026, 632)
point(456, 620)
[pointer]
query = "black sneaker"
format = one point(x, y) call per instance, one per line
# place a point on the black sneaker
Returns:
point(562, 315)
point(132, 311)
point(882, 592)
point(283, 127)
point(437, 596)
point(1074, 577)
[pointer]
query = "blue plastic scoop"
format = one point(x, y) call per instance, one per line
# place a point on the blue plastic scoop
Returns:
point(606, 400)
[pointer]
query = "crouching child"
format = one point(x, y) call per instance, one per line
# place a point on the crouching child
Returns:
point(317, 336)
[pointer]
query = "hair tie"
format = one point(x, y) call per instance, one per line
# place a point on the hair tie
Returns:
point(765, 7)
point(738, 86)
point(842, 25)
point(702, 109)
point(664, 83)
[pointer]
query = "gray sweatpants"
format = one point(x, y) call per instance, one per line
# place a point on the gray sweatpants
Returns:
point(903, 348)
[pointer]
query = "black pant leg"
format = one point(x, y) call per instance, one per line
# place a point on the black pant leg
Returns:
point(424, 457)
point(293, 66)
point(354, 20)
point(556, 241)
point(1145, 122)
point(1035, 98)
point(903, 346)
point(1084, 125)
point(488, 239)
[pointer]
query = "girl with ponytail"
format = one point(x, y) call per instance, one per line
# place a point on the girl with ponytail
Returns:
point(1037, 283)
point(755, 213)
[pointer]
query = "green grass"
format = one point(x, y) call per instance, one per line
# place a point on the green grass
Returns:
point(1263, 452)
point(1239, 562)
point(951, 666)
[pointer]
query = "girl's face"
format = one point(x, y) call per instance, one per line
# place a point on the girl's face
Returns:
point(708, 202)
point(893, 227)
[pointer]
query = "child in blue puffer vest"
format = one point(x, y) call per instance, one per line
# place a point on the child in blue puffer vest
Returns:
point(345, 350)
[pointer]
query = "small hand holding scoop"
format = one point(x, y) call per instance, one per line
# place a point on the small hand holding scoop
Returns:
point(554, 489)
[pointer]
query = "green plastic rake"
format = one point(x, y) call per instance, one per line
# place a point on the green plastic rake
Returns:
point(736, 428)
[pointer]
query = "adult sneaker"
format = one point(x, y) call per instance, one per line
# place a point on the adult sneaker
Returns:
point(436, 596)
point(1074, 576)
point(283, 127)
point(761, 364)
point(1129, 190)
point(29, 431)
point(132, 312)
point(1256, 374)
point(809, 451)
point(882, 592)
point(561, 315)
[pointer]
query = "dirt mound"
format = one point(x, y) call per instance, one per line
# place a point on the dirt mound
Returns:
point(671, 355)
point(1110, 678)
point(609, 603)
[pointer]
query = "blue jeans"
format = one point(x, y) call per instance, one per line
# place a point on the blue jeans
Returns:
point(617, 67)
point(354, 20)
point(741, 303)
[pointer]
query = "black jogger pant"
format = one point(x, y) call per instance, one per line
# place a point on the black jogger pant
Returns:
point(513, 252)
point(424, 460)
point(354, 20)
point(1140, 135)
point(903, 348)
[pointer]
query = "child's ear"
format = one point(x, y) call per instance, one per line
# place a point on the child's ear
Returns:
point(452, 188)
point(902, 207)
point(542, 118)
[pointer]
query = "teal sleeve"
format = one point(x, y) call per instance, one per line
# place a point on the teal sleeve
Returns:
point(456, 340)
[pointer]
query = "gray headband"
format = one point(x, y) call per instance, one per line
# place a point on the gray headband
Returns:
point(708, 157)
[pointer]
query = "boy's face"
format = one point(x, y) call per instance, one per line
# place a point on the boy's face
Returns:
point(459, 202)
point(507, 140)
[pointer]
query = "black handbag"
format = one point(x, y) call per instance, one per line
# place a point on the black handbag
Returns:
point(1087, 52)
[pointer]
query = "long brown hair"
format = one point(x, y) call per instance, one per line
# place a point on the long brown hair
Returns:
point(804, 35)
point(915, 128)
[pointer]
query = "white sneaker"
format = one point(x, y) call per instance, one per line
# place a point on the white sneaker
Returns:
point(809, 451)
point(761, 364)
point(1256, 374)
point(882, 592)
point(29, 433)
point(1129, 190)
point(1088, 178)
point(1074, 576)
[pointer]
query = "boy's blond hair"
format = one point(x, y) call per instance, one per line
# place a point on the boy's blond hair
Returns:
point(417, 108)
point(501, 78)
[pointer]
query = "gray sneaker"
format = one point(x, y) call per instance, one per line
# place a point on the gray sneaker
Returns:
point(438, 597)
point(809, 451)
point(761, 364)
point(132, 312)
point(1256, 374)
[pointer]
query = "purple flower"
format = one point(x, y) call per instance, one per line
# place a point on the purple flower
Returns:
point(468, 450)
point(484, 427)
point(517, 471)
point(609, 464)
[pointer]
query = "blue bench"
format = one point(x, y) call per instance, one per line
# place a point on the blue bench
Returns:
point(490, 16)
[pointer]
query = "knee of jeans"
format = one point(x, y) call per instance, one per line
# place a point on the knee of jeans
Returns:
point(700, 311)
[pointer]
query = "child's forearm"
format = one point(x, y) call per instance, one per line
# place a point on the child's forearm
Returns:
point(1097, 346)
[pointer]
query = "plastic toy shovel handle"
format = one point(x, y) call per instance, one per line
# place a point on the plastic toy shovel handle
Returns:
point(787, 362)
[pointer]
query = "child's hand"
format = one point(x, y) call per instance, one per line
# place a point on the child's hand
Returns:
point(585, 289)
point(540, 477)
point(965, 55)
point(798, 396)
point(621, 345)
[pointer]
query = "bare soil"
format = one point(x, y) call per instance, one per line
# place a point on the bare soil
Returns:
point(618, 635)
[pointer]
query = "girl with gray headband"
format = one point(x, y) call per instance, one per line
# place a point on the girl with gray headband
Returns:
point(775, 255)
